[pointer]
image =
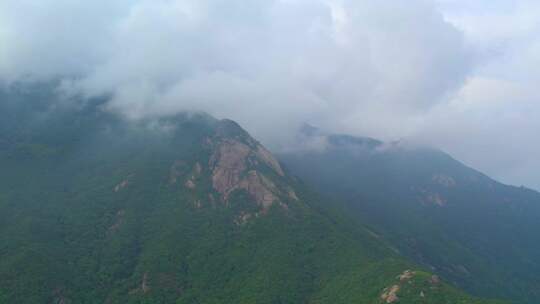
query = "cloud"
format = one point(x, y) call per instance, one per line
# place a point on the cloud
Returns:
point(492, 122)
point(260, 62)
point(439, 71)
point(491, 125)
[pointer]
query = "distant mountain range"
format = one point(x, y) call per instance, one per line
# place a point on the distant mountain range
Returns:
point(191, 209)
point(479, 234)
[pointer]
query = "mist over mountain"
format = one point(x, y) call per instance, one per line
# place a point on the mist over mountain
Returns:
point(447, 73)
point(474, 231)
point(184, 209)
point(269, 151)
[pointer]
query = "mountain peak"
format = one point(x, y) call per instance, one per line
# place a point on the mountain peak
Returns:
point(183, 209)
point(240, 163)
point(309, 130)
point(237, 169)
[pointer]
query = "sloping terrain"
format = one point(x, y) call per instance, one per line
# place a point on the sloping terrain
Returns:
point(185, 209)
point(473, 231)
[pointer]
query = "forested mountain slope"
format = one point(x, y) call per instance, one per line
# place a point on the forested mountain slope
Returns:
point(472, 230)
point(184, 209)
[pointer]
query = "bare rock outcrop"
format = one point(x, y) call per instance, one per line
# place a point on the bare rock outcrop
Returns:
point(434, 280)
point(444, 180)
point(195, 174)
point(144, 284)
point(143, 287)
point(260, 188)
point(233, 165)
point(390, 294)
point(243, 218)
point(436, 199)
point(406, 275)
point(119, 220)
point(121, 185)
point(432, 198)
point(228, 163)
point(269, 159)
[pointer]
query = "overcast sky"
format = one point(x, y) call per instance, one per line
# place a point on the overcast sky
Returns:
point(460, 75)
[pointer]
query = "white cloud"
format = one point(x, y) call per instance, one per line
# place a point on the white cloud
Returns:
point(347, 56)
point(386, 69)
point(492, 122)
point(491, 125)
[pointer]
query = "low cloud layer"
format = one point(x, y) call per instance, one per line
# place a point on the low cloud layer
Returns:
point(446, 72)
point(493, 120)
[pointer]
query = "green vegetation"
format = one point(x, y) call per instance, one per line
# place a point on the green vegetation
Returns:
point(94, 209)
point(471, 230)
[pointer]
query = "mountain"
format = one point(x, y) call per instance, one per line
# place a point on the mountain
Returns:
point(182, 209)
point(473, 231)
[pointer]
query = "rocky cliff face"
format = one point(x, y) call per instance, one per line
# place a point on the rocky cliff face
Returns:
point(239, 163)
point(235, 163)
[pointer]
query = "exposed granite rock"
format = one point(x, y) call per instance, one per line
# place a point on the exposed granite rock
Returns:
point(228, 163)
point(406, 275)
point(444, 180)
point(432, 198)
point(119, 220)
point(143, 288)
point(243, 218)
point(436, 199)
point(123, 184)
point(292, 194)
point(195, 174)
point(390, 294)
point(269, 159)
point(260, 188)
point(144, 284)
point(190, 184)
point(435, 280)
point(234, 167)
